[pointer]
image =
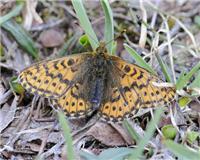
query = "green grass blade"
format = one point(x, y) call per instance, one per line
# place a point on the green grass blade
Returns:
point(85, 23)
point(67, 135)
point(109, 27)
point(137, 152)
point(108, 154)
point(183, 79)
point(11, 14)
point(22, 37)
point(196, 82)
point(164, 68)
point(139, 59)
point(195, 85)
point(87, 155)
point(134, 135)
point(15, 86)
point(84, 41)
point(63, 51)
point(115, 153)
point(181, 151)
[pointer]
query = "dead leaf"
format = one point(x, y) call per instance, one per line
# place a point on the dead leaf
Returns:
point(4, 95)
point(7, 114)
point(195, 106)
point(108, 135)
point(34, 147)
point(51, 38)
point(54, 137)
point(2, 89)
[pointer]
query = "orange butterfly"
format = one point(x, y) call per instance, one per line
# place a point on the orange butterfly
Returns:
point(83, 83)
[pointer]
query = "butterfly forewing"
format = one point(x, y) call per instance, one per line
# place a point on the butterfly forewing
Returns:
point(144, 81)
point(51, 78)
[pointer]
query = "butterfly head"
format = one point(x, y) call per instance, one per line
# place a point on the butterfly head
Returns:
point(101, 50)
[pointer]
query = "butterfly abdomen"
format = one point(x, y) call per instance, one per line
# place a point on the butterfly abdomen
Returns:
point(97, 92)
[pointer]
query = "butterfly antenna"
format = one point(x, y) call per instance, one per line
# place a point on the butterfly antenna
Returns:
point(119, 35)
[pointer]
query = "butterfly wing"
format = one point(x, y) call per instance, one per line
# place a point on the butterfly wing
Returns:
point(120, 105)
point(52, 78)
point(136, 89)
point(72, 103)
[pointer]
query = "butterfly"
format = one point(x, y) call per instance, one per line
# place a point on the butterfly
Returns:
point(95, 81)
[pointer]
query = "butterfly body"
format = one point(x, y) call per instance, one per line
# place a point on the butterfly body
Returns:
point(95, 78)
point(83, 83)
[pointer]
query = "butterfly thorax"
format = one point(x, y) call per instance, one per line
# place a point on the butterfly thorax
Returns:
point(99, 63)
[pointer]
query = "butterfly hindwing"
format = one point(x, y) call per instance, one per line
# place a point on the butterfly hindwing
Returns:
point(120, 105)
point(72, 103)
